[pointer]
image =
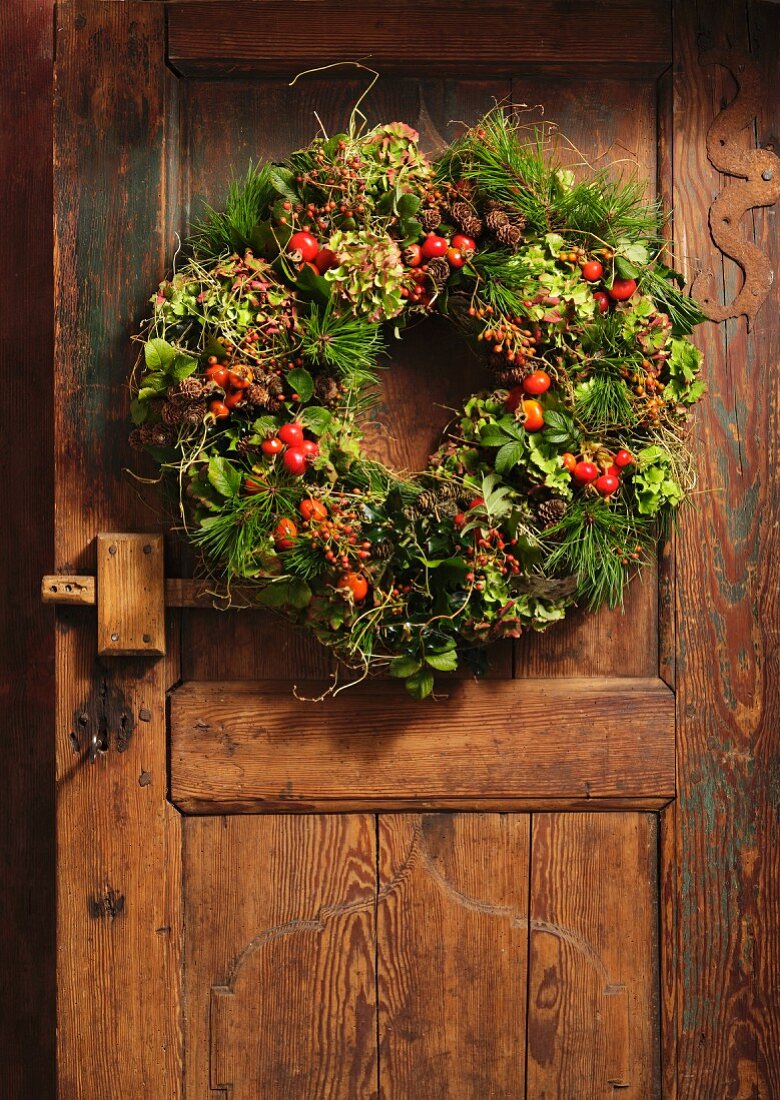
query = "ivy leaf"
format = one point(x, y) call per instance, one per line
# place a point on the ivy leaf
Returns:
point(301, 382)
point(316, 419)
point(420, 685)
point(443, 662)
point(158, 354)
point(225, 478)
point(509, 456)
point(404, 667)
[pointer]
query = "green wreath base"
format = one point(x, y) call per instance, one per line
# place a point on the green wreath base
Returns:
point(498, 535)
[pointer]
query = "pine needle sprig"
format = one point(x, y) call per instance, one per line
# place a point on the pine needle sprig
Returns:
point(594, 542)
point(220, 232)
point(684, 312)
point(604, 402)
point(349, 345)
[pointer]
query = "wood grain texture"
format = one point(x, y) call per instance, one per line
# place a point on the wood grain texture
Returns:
point(452, 936)
point(26, 538)
point(727, 861)
point(118, 844)
point(280, 979)
point(592, 986)
point(401, 37)
point(245, 747)
point(130, 595)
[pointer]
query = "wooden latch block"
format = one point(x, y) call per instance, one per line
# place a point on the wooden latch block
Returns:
point(130, 595)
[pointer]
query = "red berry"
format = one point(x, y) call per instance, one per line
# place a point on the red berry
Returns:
point(585, 472)
point(614, 470)
point(622, 289)
point(467, 245)
point(603, 300)
point(304, 244)
point(514, 397)
point(252, 486)
point(459, 520)
point(285, 534)
point(538, 382)
point(434, 246)
point(234, 398)
point(592, 271)
point(413, 255)
point(623, 458)
point(313, 510)
point(356, 583)
point(237, 381)
point(533, 416)
point(291, 434)
point(271, 446)
point(476, 502)
point(607, 484)
point(217, 373)
point(295, 460)
point(325, 260)
point(455, 257)
point(310, 448)
point(219, 410)
point(569, 461)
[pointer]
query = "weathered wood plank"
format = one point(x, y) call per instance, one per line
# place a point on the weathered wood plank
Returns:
point(452, 939)
point(119, 939)
point(280, 979)
point(401, 37)
point(131, 595)
point(727, 861)
point(593, 982)
point(247, 747)
point(27, 855)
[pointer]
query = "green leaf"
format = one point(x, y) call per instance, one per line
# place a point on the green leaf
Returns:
point(283, 182)
point(225, 478)
point(298, 593)
point(183, 366)
point(492, 435)
point(408, 204)
point(509, 456)
point(443, 662)
point(420, 685)
point(403, 667)
point(158, 354)
point(138, 410)
point(302, 383)
point(316, 419)
point(313, 286)
point(626, 269)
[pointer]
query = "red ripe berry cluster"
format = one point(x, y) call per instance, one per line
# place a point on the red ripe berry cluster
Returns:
point(305, 250)
point(296, 451)
point(491, 547)
point(456, 252)
point(337, 532)
point(520, 399)
point(605, 481)
point(620, 290)
point(233, 381)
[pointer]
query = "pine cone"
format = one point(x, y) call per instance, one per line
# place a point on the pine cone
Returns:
point(509, 235)
point(382, 550)
point(257, 395)
point(438, 271)
point(151, 435)
point(189, 389)
point(245, 447)
point(327, 389)
point(183, 413)
point(551, 511)
point(426, 501)
point(446, 490)
point(430, 219)
point(465, 219)
point(495, 217)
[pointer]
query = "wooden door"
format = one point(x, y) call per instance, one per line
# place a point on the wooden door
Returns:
point(263, 897)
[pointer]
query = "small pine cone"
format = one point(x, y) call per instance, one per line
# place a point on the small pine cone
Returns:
point(327, 389)
point(495, 218)
point(430, 219)
point(446, 490)
point(438, 271)
point(511, 376)
point(520, 221)
point(244, 447)
point(257, 395)
point(183, 413)
point(509, 235)
point(551, 511)
point(151, 435)
point(426, 501)
point(464, 499)
point(189, 389)
point(465, 219)
point(448, 508)
point(382, 550)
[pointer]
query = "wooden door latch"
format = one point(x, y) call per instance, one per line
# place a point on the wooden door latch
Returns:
point(131, 593)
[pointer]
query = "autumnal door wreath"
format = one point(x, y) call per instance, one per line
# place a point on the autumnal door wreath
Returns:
point(262, 356)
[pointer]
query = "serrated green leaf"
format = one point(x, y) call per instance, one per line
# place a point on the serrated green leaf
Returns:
point(408, 204)
point(508, 457)
point(404, 667)
point(182, 367)
point(316, 419)
point(626, 269)
point(420, 685)
point(301, 382)
point(283, 182)
point(443, 662)
point(225, 478)
point(158, 354)
point(494, 436)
